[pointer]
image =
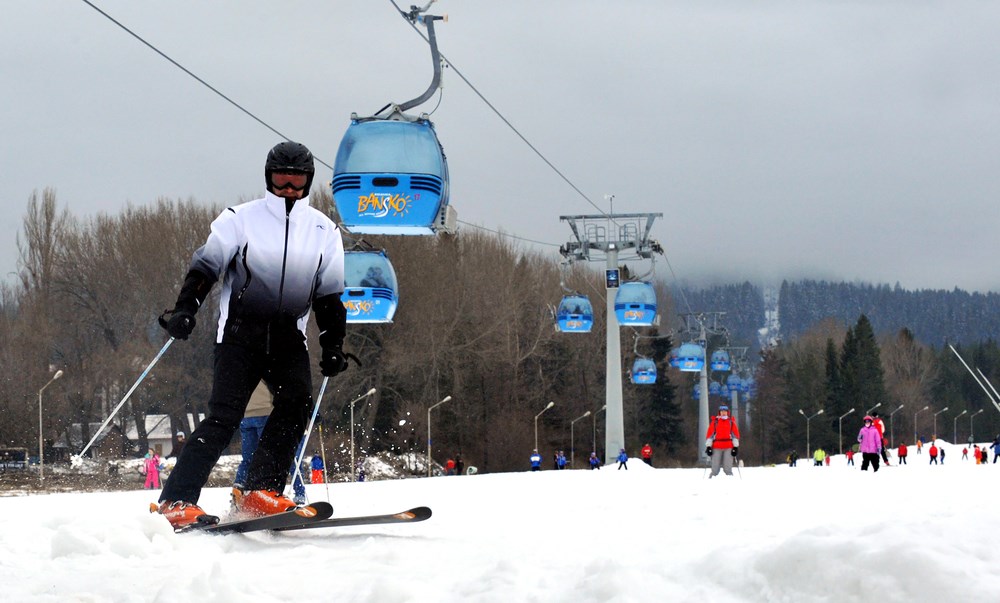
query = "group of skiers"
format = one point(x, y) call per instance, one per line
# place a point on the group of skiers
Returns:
point(873, 446)
point(559, 459)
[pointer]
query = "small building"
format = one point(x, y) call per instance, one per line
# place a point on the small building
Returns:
point(159, 434)
point(109, 444)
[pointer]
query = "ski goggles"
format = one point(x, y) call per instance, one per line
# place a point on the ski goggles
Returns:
point(293, 180)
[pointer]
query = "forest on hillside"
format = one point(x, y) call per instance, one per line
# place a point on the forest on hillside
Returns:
point(933, 316)
point(475, 323)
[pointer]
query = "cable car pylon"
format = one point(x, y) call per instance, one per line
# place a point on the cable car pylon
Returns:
point(605, 237)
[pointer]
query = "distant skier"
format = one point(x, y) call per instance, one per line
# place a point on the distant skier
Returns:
point(850, 456)
point(818, 457)
point(316, 464)
point(622, 460)
point(561, 460)
point(536, 461)
point(880, 426)
point(901, 453)
point(871, 444)
point(151, 467)
point(647, 454)
point(933, 451)
point(595, 463)
point(996, 449)
point(722, 441)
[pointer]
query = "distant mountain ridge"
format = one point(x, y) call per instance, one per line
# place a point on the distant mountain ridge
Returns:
point(934, 316)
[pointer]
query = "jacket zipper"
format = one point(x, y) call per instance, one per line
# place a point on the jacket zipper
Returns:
point(281, 283)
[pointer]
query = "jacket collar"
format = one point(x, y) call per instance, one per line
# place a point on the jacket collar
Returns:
point(276, 205)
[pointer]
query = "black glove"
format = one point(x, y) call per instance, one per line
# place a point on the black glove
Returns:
point(193, 292)
point(736, 450)
point(180, 324)
point(334, 362)
point(708, 450)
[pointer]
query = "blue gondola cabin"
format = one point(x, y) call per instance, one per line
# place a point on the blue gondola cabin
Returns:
point(371, 292)
point(391, 177)
point(635, 304)
point(643, 371)
point(575, 314)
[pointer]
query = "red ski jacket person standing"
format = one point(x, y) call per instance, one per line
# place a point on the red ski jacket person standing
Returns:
point(880, 426)
point(647, 454)
point(722, 442)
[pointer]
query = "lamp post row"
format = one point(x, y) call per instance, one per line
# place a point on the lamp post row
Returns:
point(41, 441)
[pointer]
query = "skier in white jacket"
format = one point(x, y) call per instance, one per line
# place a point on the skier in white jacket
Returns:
point(277, 258)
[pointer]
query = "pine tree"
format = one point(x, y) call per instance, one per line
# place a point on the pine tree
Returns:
point(862, 376)
point(659, 419)
point(834, 387)
point(770, 438)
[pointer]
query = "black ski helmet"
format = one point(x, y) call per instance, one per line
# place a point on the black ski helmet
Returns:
point(290, 157)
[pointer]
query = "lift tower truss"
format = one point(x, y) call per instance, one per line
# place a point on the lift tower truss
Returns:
point(611, 237)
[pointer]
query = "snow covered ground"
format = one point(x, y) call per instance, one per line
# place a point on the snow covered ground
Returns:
point(911, 533)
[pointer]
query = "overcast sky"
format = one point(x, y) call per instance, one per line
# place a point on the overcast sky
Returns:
point(837, 140)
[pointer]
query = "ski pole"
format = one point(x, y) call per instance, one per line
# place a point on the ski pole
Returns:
point(322, 451)
point(312, 420)
point(77, 459)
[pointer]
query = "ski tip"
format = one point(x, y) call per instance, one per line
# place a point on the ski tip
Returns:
point(415, 514)
point(154, 508)
point(316, 510)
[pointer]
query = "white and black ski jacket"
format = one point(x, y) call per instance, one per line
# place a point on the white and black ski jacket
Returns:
point(274, 264)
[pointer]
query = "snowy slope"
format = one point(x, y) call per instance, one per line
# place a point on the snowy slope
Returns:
point(775, 534)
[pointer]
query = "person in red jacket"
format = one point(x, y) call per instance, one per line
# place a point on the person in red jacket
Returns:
point(880, 426)
point(933, 452)
point(722, 442)
point(901, 453)
point(850, 456)
point(647, 454)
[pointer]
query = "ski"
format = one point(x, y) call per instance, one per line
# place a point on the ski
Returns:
point(411, 516)
point(298, 517)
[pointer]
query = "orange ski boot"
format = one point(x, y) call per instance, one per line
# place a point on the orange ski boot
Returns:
point(181, 514)
point(257, 503)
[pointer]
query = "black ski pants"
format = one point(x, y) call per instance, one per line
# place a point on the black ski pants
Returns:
point(284, 366)
point(869, 458)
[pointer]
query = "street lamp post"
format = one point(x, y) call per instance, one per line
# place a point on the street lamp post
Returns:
point(892, 439)
point(869, 411)
point(550, 405)
point(808, 419)
point(429, 463)
point(915, 423)
point(593, 444)
point(935, 421)
point(972, 437)
point(954, 426)
point(572, 442)
point(41, 441)
point(840, 429)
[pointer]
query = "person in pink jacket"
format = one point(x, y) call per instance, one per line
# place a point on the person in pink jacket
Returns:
point(871, 445)
point(152, 469)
